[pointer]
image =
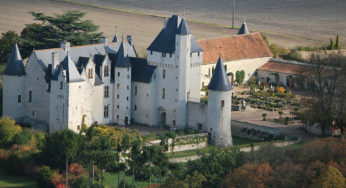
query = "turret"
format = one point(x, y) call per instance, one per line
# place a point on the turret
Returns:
point(13, 86)
point(122, 87)
point(243, 29)
point(219, 107)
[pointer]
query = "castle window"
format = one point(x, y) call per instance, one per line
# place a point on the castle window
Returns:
point(117, 96)
point(127, 98)
point(173, 122)
point(118, 74)
point(19, 98)
point(106, 91)
point(117, 106)
point(163, 54)
point(60, 85)
point(163, 93)
point(30, 96)
point(135, 90)
point(106, 71)
point(33, 113)
point(151, 52)
point(78, 127)
point(117, 116)
point(128, 76)
point(105, 111)
point(164, 74)
point(198, 54)
point(90, 73)
point(118, 85)
point(127, 87)
point(170, 55)
point(222, 103)
point(135, 108)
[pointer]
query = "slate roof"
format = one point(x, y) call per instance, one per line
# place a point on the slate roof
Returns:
point(72, 74)
point(122, 59)
point(243, 29)
point(81, 63)
point(15, 65)
point(235, 47)
point(115, 38)
point(165, 40)
point(98, 60)
point(183, 28)
point(219, 81)
point(141, 70)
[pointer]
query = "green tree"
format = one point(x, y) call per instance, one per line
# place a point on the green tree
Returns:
point(8, 131)
point(52, 30)
point(239, 77)
point(195, 180)
point(337, 42)
point(7, 41)
point(44, 177)
point(331, 178)
point(331, 44)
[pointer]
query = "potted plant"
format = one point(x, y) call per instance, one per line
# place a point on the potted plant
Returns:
point(264, 115)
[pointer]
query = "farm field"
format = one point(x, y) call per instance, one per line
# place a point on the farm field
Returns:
point(286, 22)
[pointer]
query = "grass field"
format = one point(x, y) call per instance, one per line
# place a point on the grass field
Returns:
point(112, 180)
point(15, 181)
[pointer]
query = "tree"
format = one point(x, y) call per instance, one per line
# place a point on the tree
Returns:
point(58, 28)
point(326, 78)
point(332, 177)
point(8, 131)
point(239, 77)
point(195, 180)
point(337, 42)
point(44, 177)
point(7, 42)
point(331, 44)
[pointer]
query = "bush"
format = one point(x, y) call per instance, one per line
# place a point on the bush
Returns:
point(23, 137)
point(8, 130)
point(239, 77)
point(44, 177)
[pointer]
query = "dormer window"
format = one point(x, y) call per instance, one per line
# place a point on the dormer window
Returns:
point(163, 54)
point(90, 73)
point(106, 71)
point(151, 52)
point(198, 54)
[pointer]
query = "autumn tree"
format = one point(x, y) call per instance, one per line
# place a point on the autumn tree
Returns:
point(8, 131)
point(326, 78)
point(332, 177)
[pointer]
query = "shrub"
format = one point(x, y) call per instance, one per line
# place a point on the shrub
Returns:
point(44, 177)
point(239, 77)
point(8, 130)
point(23, 137)
point(264, 115)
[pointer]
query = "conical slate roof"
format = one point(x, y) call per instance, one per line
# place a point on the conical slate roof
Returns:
point(122, 59)
point(72, 74)
point(115, 38)
point(219, 81)
point(15, 65)
point(243, 29)
point(183, 28)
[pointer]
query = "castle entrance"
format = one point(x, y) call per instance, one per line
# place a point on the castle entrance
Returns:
point(163, 118)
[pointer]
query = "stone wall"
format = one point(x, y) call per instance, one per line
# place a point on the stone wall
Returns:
point(253, 131)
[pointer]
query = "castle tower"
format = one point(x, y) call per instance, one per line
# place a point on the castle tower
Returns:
point(13, 86)
point(178, 58)
point(219, 107)
point(243, 29)
point(122, 87)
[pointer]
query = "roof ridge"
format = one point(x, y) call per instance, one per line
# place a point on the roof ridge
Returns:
point(228, 36)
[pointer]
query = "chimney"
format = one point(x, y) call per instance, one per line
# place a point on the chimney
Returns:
point(129, 39)
point(104, 40)
point(165, 21)
point(66, 46)
point(55, 60)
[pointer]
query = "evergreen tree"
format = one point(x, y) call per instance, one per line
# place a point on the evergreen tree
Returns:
point(58, 28)
point(332, 44)
point(7, 41)
point(337, 42)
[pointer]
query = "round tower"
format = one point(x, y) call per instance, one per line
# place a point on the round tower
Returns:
point(13, 86)
point(219, 107)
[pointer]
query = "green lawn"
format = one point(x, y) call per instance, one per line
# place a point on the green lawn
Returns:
point(15, 181)
point(112, 180)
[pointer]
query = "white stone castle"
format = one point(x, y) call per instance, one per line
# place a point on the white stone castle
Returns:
point(107, 83)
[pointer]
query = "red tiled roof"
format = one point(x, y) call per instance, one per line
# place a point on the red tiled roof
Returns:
point(234, 47)
point(288, 68)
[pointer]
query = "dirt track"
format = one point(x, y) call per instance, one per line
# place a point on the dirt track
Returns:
point(292, 22)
